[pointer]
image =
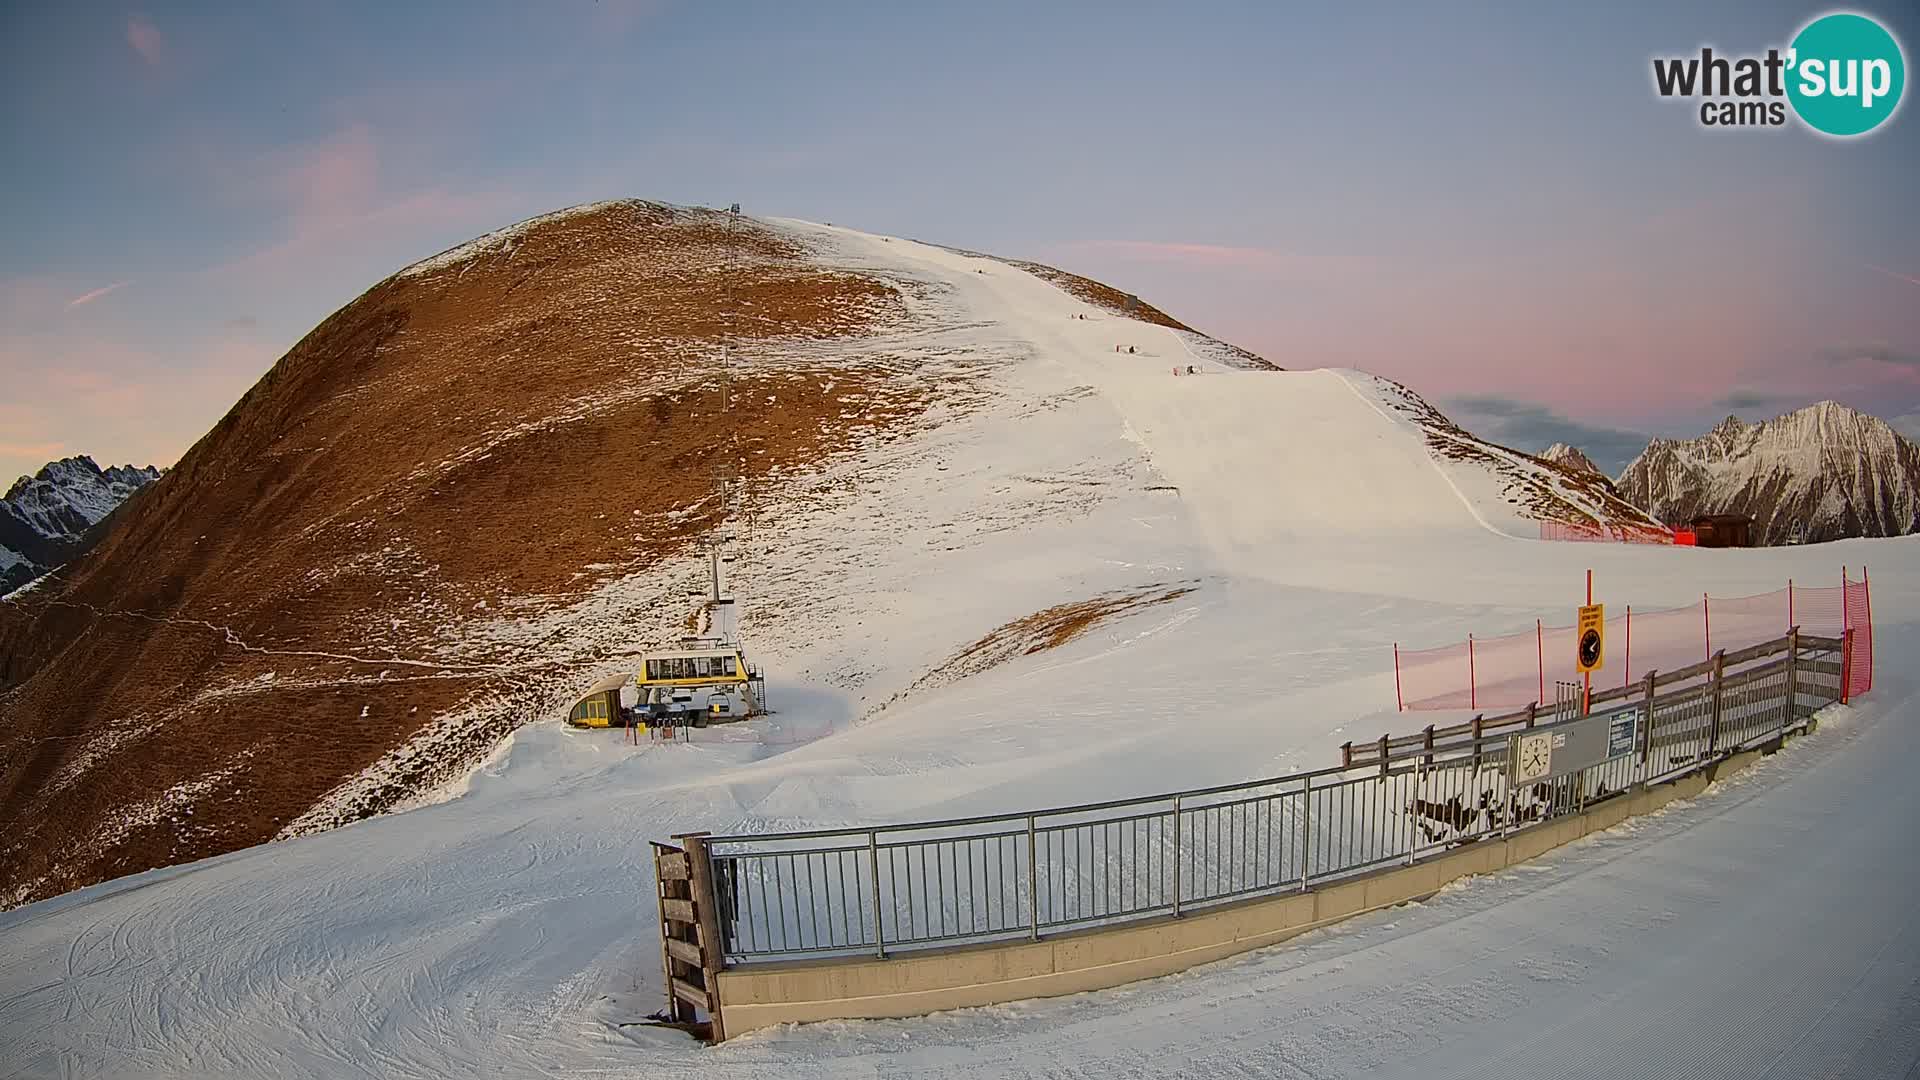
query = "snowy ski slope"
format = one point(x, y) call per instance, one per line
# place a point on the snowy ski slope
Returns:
point(509, 931)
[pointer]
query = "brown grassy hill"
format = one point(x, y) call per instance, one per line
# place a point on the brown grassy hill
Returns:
point(261, 641)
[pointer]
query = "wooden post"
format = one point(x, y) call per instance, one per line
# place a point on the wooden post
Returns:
point(1719, 672)
point(1533, 708)
point(706, 909)
point(1479, 728)
point(1428, 760)
point(1846, 662)
point(1383, 754)
point(1793, 678)
point(1346, 754)
point(1646, 736)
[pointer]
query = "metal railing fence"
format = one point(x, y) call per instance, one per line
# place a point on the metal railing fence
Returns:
point(1025, 875)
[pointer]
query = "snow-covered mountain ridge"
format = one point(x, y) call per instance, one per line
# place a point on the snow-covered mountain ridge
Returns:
point(44, 518)
point(1819, 473)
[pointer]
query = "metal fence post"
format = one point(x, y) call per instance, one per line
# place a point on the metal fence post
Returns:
point(1306, 828)
point(873, 868)
point(1176, 856)
point(1719, 673)
point(1793, 680)
point(1033, 883)
point(1413, 834)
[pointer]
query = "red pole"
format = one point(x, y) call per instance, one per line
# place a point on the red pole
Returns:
point(1473, 685)
point(1846, 635)
point(1866, 594)
point(1399, 703)
point(1790, 623)
point(1540, 656)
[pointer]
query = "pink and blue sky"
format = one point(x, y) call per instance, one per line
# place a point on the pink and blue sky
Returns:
point(1484, 201)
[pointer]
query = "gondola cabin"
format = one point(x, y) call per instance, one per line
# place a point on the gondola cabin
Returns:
point(601, 707)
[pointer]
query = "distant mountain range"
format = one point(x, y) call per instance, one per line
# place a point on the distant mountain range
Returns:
point(1824, 472)
point(45, 518)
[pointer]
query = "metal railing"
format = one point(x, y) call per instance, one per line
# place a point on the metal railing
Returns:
point(1025, 875)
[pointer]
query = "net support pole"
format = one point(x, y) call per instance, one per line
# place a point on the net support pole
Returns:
point(1540, 657)
point(1626, 678)
point(1399, 700)
point(1706, 623)
point(1473, 684)
point(1866, 597)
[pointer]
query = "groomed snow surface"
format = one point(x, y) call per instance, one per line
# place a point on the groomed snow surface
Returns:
point(510, 930)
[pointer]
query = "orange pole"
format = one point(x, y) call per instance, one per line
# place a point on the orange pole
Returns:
point(1473, 683)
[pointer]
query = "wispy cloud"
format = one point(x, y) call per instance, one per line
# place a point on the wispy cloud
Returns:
point(1204, 255)
point(1908, 278)
point(146, 39)
point(1877, 352)
point(1750, 400)
point(89, 297)
point(45, 451)
point(1532, 427)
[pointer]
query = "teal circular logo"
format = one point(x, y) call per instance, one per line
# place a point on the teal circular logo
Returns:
point(1845, 74)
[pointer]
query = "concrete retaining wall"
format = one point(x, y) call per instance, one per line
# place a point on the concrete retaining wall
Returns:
point(914, 983)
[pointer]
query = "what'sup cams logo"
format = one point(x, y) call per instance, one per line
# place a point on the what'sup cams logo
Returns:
point(1843, 75)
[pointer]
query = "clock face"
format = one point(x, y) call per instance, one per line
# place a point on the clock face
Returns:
point(1535, 756)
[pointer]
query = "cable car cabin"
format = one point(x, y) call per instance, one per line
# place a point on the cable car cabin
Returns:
point(601, 707)
point(717, 665)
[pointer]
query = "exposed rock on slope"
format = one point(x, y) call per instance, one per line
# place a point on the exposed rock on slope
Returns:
point(45, 518)
point(1544, 490)
point(1820, 473)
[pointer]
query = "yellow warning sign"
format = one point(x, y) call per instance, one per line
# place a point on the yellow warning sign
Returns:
point(1590, 652)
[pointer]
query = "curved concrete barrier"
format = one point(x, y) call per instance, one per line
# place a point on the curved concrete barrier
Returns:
point(915, 983)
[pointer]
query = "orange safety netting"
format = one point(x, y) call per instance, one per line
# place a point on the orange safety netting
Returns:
point(1602, 533)
point(1515, 670)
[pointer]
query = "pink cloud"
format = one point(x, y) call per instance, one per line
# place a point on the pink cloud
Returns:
point(90, 297)
point(46, 451)
point(146, 40)
point(1208, 255)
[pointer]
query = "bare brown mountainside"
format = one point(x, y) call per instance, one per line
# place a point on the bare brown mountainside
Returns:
point(293, 627)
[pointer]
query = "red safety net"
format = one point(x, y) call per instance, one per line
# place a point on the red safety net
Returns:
point(1514, 670)
point(1603, 533)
